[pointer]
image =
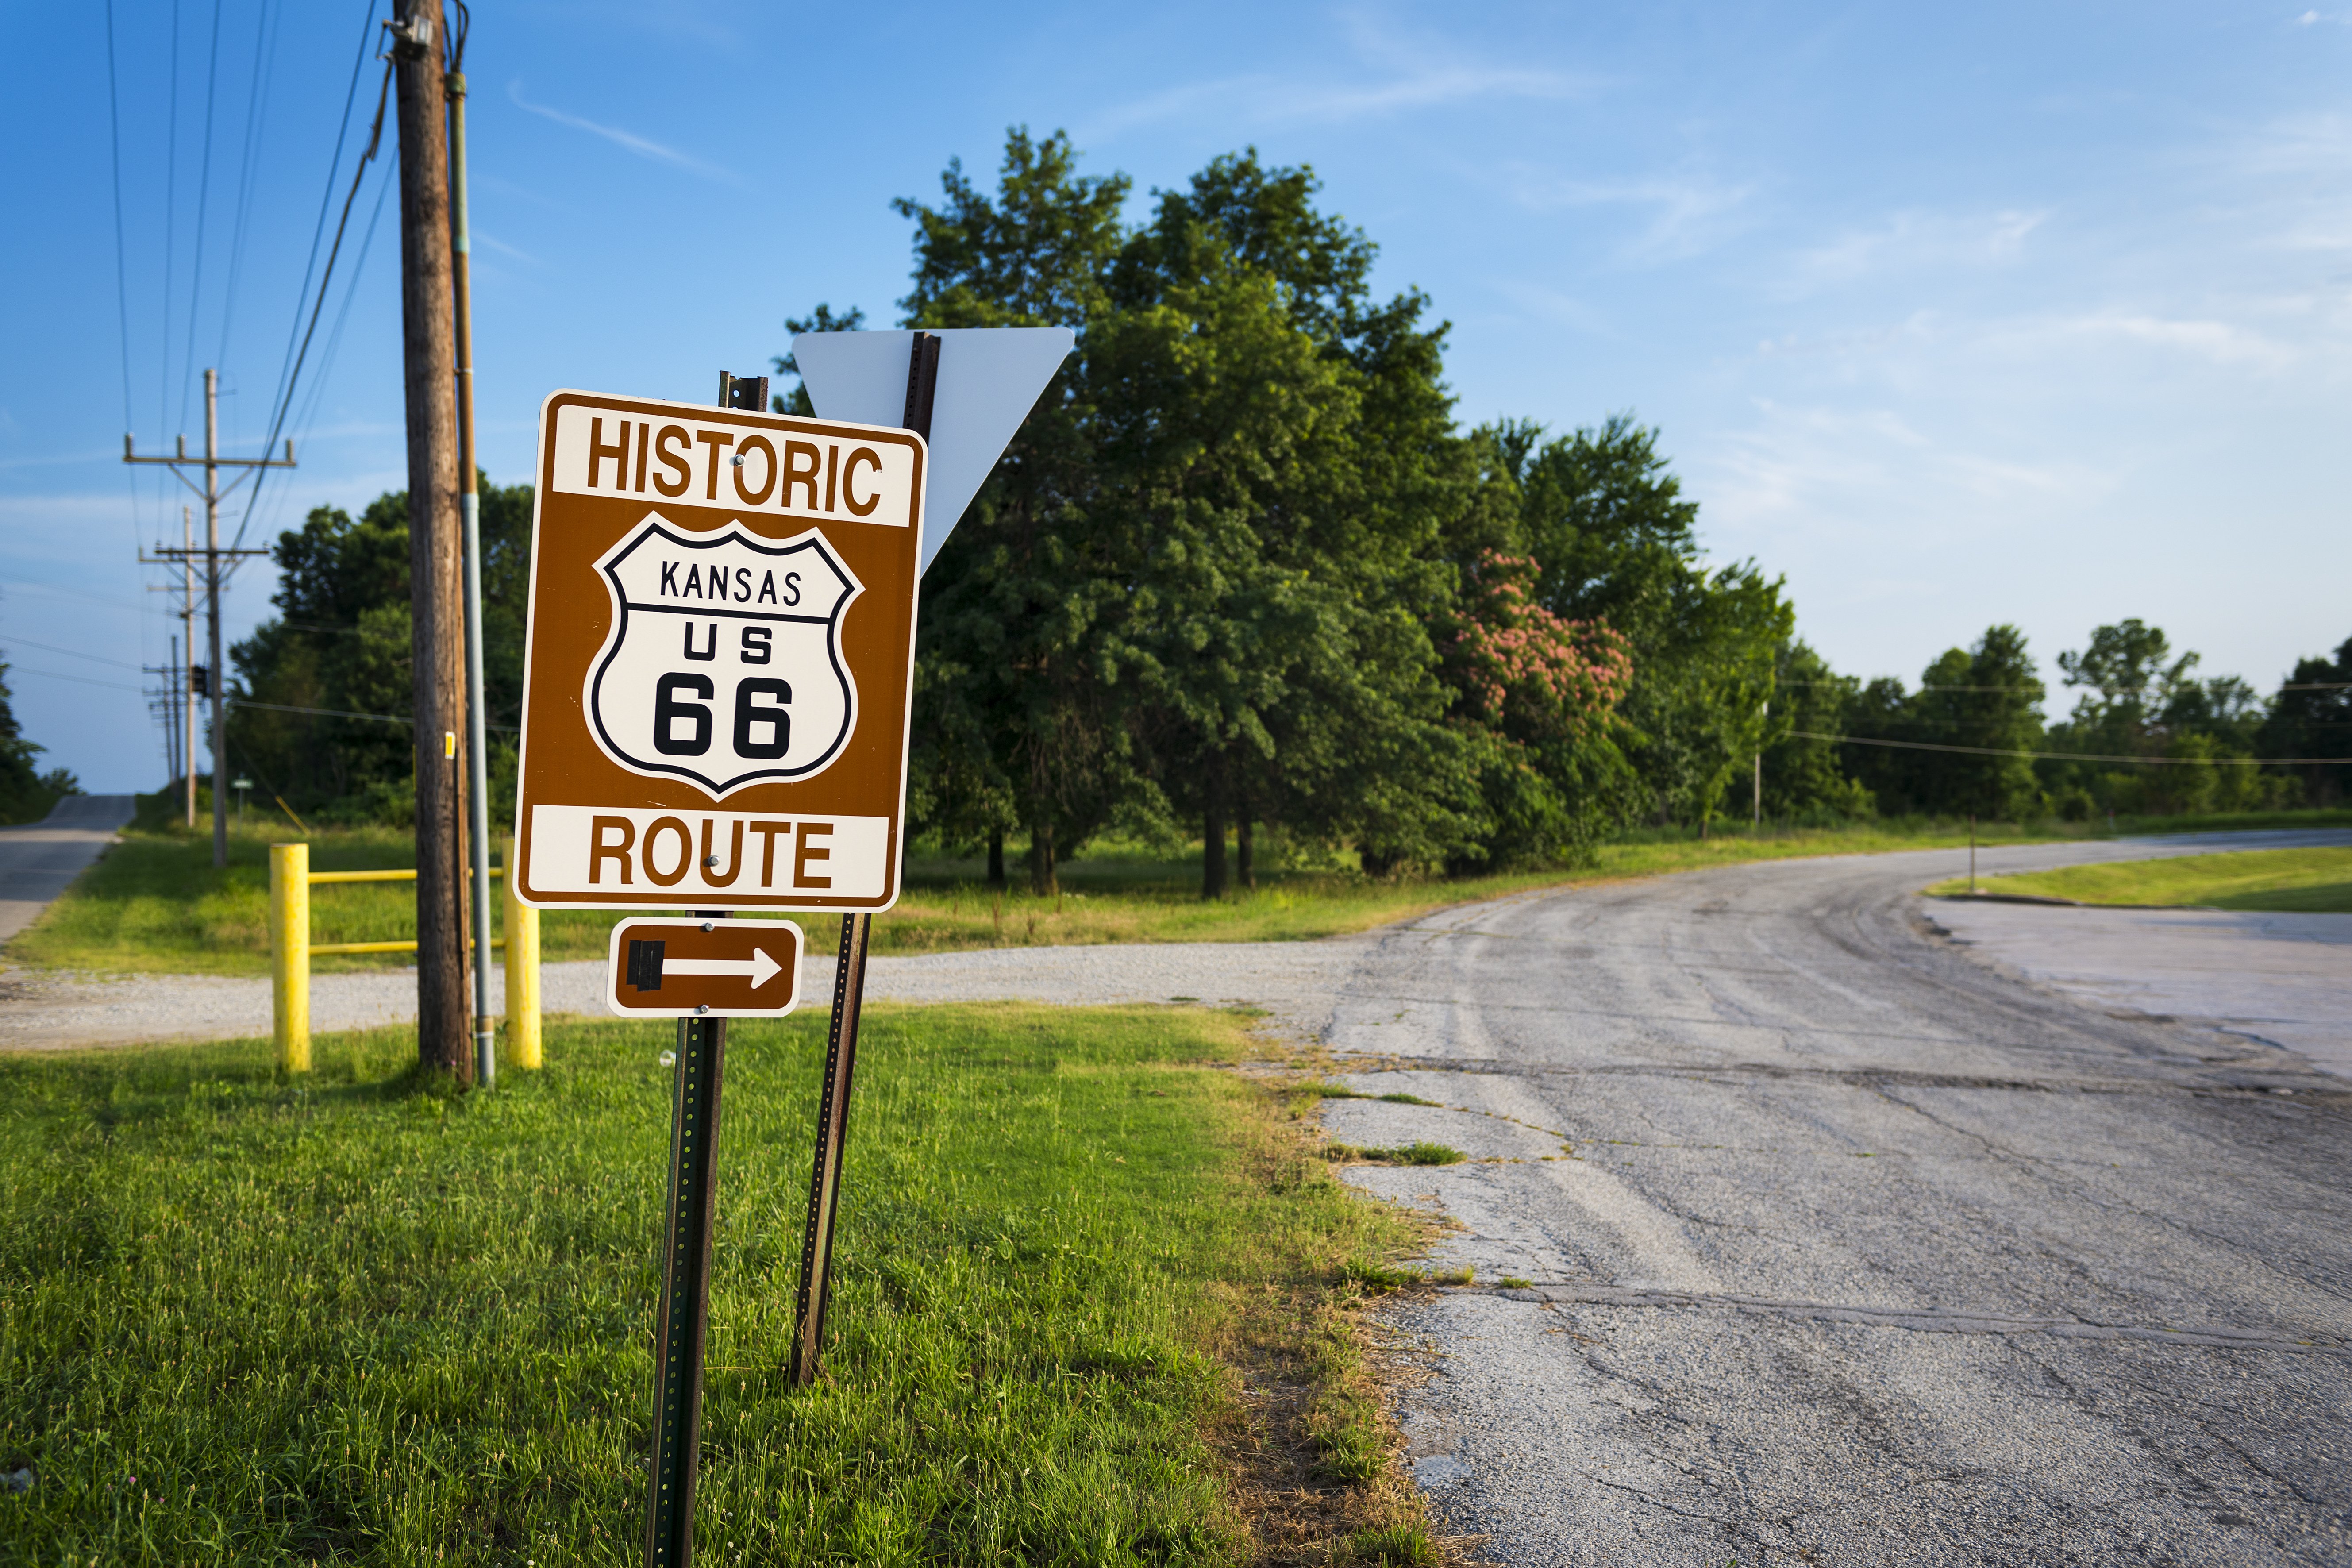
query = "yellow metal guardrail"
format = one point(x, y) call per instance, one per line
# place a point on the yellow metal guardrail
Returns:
point(291, 949)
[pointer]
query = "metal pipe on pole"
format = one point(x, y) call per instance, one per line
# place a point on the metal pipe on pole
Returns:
point(188, 641)
point(469, 512)
point(214, 683)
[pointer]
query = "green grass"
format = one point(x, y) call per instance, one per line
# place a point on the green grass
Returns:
point(356, 1318)
point(155, 903)
point(2308, 882)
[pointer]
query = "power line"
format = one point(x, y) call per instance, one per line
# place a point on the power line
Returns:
point(72, 653)
point(346, 713)
point(278, 423)
point(256, 100)
point(2077, 756)
point(204, 211)
point(84, 679)
point(171, 219)
point(334, 344)
point(326, 201)
point(121, 265)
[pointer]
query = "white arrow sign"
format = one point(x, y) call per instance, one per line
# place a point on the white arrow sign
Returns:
point(990, 377)
point(758, 966)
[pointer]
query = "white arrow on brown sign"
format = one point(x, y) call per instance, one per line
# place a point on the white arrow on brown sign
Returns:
point(704, 969)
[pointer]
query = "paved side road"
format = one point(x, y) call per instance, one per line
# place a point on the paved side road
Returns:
point(38, 860)
point(1834, 1243)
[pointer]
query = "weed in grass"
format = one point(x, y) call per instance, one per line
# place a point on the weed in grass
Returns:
point(1399, 1546)
point(1343, 1419)
point(1416, 1153)
point(363, 1319)
point(1379, 1278)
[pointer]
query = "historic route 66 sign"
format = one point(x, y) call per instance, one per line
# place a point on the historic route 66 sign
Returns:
point(720, 658)
point(724, 663)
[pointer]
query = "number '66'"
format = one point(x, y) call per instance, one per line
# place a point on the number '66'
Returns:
point(761, 730)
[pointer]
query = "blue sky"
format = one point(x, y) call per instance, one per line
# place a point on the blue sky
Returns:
point(1950, 315)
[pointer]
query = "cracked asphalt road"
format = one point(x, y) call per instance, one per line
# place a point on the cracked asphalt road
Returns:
point(1843, 1245)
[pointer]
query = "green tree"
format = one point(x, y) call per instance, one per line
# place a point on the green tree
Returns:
point(2312, 717)
point(1617, 542)
point(1805, 780)
point(2128, 675)
point(2142, 699)
point(339, 646)
point(1019, 696)
point(27, 792)
point(1281, 453)
point(1984, 701)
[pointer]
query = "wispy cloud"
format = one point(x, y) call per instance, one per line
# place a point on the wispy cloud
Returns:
point(503, 249)
point(1265, 98)
point(1686, 213)
point(1380, 73)
point(2219, 341)
point(1550, 304)
point(1912, 241)
point(643, 146)
point(1825, 469)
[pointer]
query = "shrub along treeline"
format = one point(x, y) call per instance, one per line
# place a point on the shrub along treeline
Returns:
point(1243, 578)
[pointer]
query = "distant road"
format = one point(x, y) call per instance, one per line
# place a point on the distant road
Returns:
point(38, 860)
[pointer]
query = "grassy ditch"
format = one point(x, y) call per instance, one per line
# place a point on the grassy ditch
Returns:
point(2308, 881)
point(155, 902)
point(1097, 1304)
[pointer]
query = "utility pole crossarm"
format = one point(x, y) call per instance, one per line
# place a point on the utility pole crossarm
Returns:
point(167, 553)
point(285, 462)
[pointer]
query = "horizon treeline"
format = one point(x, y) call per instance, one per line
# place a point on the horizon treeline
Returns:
point(1243, 580)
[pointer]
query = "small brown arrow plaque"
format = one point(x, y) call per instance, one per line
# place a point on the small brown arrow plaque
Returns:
point(704, 969)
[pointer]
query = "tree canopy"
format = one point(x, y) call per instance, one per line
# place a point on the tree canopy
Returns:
point(1244, 579)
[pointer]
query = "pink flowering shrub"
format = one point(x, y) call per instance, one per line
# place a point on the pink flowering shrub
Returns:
point(1525, 672)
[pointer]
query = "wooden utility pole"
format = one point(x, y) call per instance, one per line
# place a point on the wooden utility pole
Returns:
point(216, 683)
point(436, 598)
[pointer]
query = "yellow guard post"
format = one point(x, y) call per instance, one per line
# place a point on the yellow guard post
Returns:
point(522, 974)
point(289, 953)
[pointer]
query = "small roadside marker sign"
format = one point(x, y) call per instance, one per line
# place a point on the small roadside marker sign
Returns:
point(720, 658)
point(704, 969)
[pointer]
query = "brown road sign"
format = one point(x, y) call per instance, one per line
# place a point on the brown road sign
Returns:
point(720, 658)
point(704, 969)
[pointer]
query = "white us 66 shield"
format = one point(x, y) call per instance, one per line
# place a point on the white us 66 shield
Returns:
point(724, 663)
